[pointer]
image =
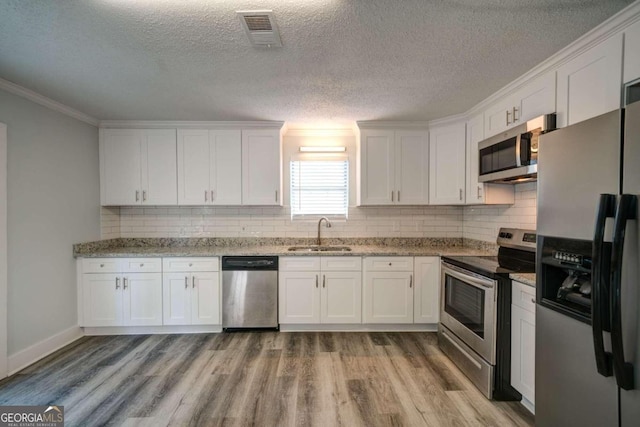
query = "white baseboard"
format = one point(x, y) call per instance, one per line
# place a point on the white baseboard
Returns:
point(529, 405)
point(359, 328)
point(144, 330)
point(37, 351)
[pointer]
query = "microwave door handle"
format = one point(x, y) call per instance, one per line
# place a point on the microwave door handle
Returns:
point(519, 150)
point(601, 257)
point(627, 207)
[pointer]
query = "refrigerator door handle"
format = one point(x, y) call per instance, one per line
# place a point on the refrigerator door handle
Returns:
point(627, 207)
point(601, 256)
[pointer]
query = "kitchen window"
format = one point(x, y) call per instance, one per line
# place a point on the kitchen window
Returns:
point(319, 186)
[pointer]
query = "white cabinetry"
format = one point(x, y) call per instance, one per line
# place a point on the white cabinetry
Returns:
point(388, 290)
point(536, 98)
point(447, 147)
point(523, 340)
point(121, 292)
point(261, 167)
point(316, 290)
point(138, 166)
point(191, 291)
point(477, 192)
point(631, 53)
point(393, 167)
point(209, 167)
point(426, 308)
point(589, 85)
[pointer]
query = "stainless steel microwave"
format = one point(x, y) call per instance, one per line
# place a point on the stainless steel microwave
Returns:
point(511, 157)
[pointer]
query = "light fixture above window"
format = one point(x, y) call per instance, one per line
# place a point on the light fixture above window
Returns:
point(316, 149)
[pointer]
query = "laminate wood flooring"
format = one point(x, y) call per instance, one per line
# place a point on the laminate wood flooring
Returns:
point(261, 379)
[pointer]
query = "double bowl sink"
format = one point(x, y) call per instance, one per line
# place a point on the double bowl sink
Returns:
point(316, 248)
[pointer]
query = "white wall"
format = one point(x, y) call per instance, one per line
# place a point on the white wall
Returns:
point(53, 202)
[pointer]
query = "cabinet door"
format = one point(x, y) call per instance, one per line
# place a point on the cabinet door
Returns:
point(176, 299)
point(159, 167)
point(631, 53)
point(388, 297)
point(498, 117)
point(589, 85)
point(102, 300)
point(412, 167)
point(226, 158)
point(120, 166)
point(298, 297)
point(142, 299)
point(536, 98)
point(377, 167)
point(447, 146)
point(523, 341)
point(341, 297)
point(426, 293)
point(205, 299)
point(261, 167)
point(477, 192)
point(194, 160)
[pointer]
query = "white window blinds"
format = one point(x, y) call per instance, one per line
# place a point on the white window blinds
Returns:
point(319, 187)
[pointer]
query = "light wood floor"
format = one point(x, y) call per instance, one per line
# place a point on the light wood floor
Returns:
point(259, 378)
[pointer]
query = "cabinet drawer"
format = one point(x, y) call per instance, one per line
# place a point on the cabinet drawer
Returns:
point(101, 265)
point(523, 296)
point(341, 263)
point(141, 265)
point(302, 263)
point(398, 263)
point(176, 265)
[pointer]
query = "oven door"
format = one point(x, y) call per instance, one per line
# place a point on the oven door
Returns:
point(468, 309)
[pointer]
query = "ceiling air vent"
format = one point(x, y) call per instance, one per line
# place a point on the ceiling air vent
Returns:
point(261, 27)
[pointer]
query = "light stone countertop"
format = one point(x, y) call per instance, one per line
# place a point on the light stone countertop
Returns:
point(526, 278)
point(235, 247)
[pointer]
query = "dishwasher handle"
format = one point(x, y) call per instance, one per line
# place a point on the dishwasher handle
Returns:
point(244, 263)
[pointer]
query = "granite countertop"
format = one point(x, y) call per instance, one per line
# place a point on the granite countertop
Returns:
point(526, 278)
point(279, 247)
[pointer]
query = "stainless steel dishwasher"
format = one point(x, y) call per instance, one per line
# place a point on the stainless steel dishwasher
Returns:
point(249, 292)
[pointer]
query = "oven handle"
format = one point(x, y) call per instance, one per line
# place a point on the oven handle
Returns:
point(468, 277)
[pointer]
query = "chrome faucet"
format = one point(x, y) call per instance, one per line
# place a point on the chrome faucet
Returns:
point(320, 222)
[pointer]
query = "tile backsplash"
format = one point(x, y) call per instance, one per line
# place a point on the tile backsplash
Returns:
point(473, 222)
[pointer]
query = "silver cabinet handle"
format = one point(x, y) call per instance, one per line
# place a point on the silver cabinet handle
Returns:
point(479, 192)
point(124, 283)
point(508, 114)
point(205, 195)
point(411, 280)
point(186, 282)
point(117, 283)
point(398, 195)
point(461, 194)
point(193, 281)
point(144, 195)
point(212, 195)
point(392, 196)
point(515, 110)
point(276, 196)
point(316, 280)
point(324, 280)
point(533, 300)
point(137, 196)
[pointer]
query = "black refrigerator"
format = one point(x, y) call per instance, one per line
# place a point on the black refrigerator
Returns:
point(588, 299)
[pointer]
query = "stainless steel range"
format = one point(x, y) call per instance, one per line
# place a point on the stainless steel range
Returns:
point(475, 311)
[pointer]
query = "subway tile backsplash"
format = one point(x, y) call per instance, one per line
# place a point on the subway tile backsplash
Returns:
point(473, 222)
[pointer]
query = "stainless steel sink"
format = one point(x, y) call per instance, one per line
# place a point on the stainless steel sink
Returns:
point(316, 248)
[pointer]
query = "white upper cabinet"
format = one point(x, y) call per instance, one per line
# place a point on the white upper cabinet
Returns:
point(536, 98)
point(479, 193)
point(394, 167)
point(589, 85)
point(209, 167)
point(138, 166)
point(631, 53)
point(261, 167)
point(447, 152)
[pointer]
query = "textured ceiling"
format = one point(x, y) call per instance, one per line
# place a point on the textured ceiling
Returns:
point(342, 60)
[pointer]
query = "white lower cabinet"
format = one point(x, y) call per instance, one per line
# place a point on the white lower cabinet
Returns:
point(320, 290)
point(426, 291)
point(388, 290)
point(124, 292)
point(523, 340)
point(191, 291)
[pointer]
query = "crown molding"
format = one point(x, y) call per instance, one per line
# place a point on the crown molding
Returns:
point(373, 124)
point(160, 124)
point(46, 102)
point(449, 120)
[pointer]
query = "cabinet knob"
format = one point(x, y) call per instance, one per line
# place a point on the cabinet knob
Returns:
point(389, 264)
point(142, 265)
point(101, 265)
point(190, 265)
